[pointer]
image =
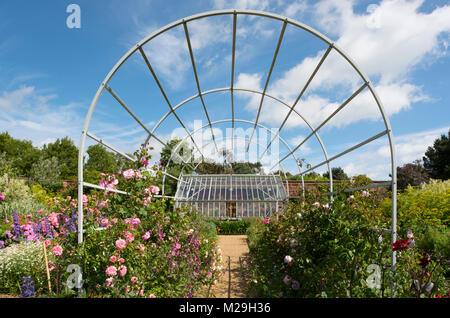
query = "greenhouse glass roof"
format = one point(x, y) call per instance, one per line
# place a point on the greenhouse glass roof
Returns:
point(231, 195)
point(222, 188)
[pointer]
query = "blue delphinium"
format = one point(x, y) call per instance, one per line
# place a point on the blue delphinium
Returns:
point(27, 287)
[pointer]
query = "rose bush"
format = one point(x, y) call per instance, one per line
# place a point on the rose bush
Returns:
point(134, 245)
point(322, 249)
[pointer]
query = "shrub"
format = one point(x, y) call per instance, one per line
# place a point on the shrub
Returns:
point(428, 204)
point(411, 175)
point(319, 249)
point(231, 227)
point(17, 197)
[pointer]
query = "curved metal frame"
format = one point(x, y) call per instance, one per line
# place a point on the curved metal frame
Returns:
point(331, 46)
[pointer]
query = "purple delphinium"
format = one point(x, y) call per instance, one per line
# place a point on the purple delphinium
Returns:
point(48, 229)
point(27, 287)
point(16, 226)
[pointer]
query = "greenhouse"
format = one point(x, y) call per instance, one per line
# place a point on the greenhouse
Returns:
point(231, 196)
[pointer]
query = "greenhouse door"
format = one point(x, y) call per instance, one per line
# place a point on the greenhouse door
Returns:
point(231, 209)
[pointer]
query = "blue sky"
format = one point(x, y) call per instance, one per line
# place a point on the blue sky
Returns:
point(50, 73)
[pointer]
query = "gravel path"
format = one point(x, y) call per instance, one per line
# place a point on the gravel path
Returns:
point(233, 246)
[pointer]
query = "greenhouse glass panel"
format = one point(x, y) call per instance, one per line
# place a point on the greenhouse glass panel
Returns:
point(231, 196)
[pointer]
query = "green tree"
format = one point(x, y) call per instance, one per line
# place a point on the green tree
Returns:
point(338, 174)
point(101, 160)
point(437, 158)
point(21, 154)
point(66, 152)
point(46, 172)
point(246, 167)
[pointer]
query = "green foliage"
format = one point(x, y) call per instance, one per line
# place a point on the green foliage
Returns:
point(318, 249)
point(20, 153)
point(66, 152)
point(46, 171)
point(231, 227)
point(433, 240)
point(17, 197)
point(7, 166)
point(338, 174)
point(437, 158)
point(428, 204)
point(100, 159)
point(246, 167)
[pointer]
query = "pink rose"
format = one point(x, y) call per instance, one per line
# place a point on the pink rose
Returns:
point(111, 271)
point(112, 259)
point(152, 296)
point(122, 270)
point(57, 250)
point(154, 189)
point(128, 174)
point(128, 236)
point(121, 244)
point(134, 279)
point(47, 243)
point(146, 236)
point(114, 221)
point(109, 281)
point(121, 261)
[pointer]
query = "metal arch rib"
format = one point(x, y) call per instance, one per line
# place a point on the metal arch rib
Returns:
point(301, 94)
point(191, 54)
point(328, 118)
point(233, 56)
point(164, 94)
point(283, 29)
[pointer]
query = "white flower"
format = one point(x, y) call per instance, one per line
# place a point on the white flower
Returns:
point(287, 259)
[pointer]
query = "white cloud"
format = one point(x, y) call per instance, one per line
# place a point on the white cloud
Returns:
point(387, 42)
point(374, 160)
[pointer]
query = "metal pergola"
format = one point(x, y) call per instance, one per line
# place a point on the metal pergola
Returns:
point(263, 95)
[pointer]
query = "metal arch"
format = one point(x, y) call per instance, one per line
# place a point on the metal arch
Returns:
point(235, 12)
point(314, 131)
